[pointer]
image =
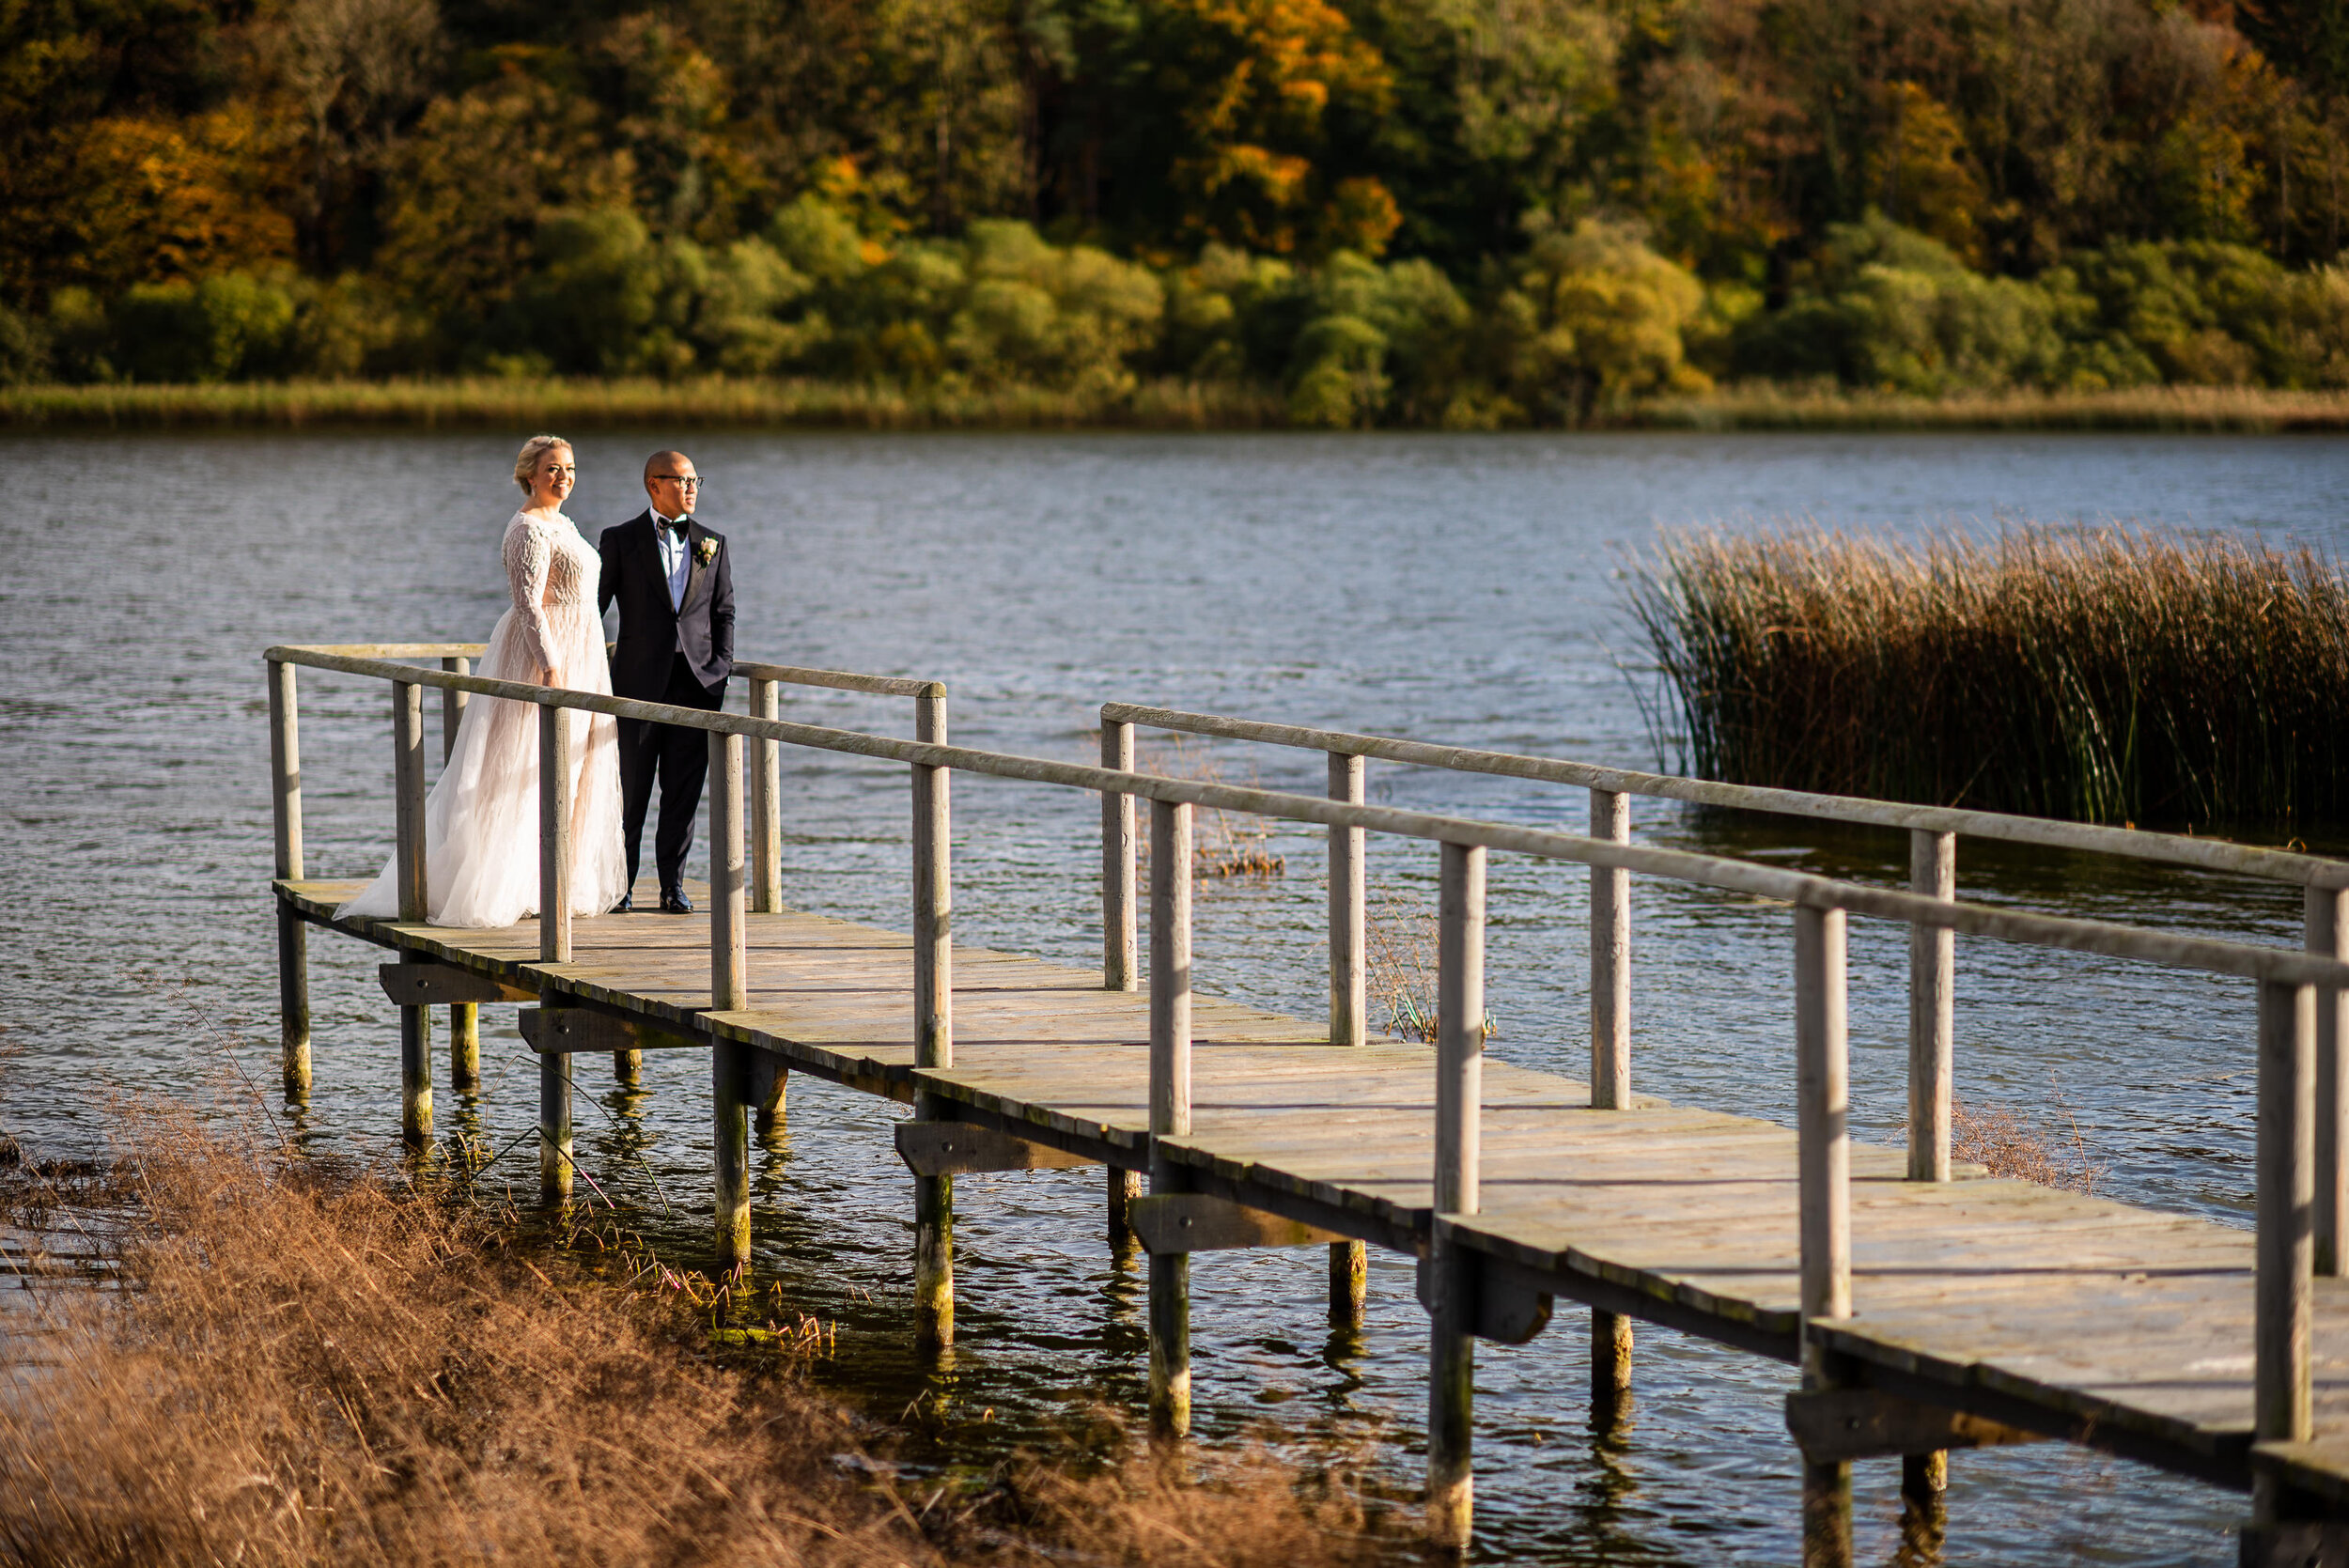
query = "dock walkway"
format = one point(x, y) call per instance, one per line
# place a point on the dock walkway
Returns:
point(2039, 1311)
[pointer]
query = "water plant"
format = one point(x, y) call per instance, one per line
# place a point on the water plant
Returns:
point(2103, 675)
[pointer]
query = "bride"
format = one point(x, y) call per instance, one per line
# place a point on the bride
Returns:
point(481, 822)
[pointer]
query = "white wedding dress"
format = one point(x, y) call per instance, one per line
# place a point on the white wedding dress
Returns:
point(481, 820)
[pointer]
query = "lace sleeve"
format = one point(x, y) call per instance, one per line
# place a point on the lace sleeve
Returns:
point(529, 559)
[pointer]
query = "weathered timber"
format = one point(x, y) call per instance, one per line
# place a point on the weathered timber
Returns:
point(593, 1031)
point(1839, 1426)
point(959, 1149)
point(414, 985)
point(1195, 1222)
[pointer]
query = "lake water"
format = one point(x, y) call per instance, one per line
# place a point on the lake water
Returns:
point(1459, 588)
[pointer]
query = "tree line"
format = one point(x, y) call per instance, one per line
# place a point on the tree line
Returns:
point(1463, 212)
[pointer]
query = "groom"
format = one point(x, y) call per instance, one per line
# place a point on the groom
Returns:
point(675, 591)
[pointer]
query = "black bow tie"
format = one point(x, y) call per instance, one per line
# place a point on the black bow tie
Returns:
point(677, 527)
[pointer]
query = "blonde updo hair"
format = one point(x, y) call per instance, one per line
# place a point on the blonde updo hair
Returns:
point(526, 462)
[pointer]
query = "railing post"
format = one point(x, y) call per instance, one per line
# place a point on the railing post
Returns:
point(1349, 1001)
point(2328, 938)
point(1611, 1058)
point(1170, 1104)
point(729, 992)
point(293, 936)
point(766, 803)
point(933, 1023)
point(2283, 1406)
point(408, 852)
point(1931, 1008)
point(1119, 971)
point(1823, 1133)
point(1610, 958)
point(1459, 1103)
point(464, 1018)
point(555, 944)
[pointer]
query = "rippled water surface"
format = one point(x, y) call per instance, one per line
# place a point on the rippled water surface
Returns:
point(1466, 589)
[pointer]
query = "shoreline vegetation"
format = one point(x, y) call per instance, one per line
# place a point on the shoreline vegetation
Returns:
point(2103, 675)
point(300, 1360)
point(1161, 404)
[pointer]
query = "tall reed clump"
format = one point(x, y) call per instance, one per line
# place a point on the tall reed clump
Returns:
point(2108, 675)
point(308, 1365)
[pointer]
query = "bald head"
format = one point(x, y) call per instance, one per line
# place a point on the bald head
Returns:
point(672, 483)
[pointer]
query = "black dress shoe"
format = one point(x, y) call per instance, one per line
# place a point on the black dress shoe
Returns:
point(675, 904)
point(622, 906)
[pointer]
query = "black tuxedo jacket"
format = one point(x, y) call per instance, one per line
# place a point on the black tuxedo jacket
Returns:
point(651, 633)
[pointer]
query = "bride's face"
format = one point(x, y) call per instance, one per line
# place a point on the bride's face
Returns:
point(552, 482)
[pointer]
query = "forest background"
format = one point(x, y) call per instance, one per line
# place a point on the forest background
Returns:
point(1460, 212)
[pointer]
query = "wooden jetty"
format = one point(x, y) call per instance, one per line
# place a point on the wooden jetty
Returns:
point(1929, 1308)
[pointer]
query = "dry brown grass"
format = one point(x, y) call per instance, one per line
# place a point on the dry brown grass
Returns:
point(2048, 1150)
point(1222, 844)
point(313, 1364)
point(1402, 949)
point(2110, 675)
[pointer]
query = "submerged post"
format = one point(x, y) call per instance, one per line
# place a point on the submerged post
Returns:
point(766, 802)
point(1823, 1137)
point(1349, 1001)
point(555, 944)
point(1610, 1055)
point(933, 1022)
point(408, 854)
point(1459, 1098)
point(2329, 936)
point(729, 992)
point(293, 937)
point(2282, 1403)
point(1118, 959)
point(1169, 1104)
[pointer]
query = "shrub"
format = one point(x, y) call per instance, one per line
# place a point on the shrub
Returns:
point(229, 325)
point(23, 349)
point(1589, 319)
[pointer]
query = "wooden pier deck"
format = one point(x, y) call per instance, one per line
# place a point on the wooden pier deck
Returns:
point(2005, 1310)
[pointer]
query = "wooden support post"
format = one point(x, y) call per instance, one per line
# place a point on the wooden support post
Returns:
point(729, 992)
point(415, 1023)
point(452, 704)
point(933, 1024)
point(1169, 1104)
point(293, 937)
point(1459, 1104)
point(554, 1127)
point(1931, 1012)
point(1119, 961)
point(464, 1047)
point(2281, 1397)
point(766, 803)
point(627, 1068)
point(770, 1081)
point(1123, 1188)
point(2327, 911)
point(1823, 1134)
point(1611, 959)
point(1610, 1056)
point(555, 944)
point(1349, 1283)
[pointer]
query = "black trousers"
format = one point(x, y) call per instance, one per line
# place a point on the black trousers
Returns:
point(679, 760)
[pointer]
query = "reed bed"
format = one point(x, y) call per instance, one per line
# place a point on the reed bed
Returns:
point(2110, 675)
point(310, 1363)
point(2048, 1150)
point(585, 403)
point(1153, 405)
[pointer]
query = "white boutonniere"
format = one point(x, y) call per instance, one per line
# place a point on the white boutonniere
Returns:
point(706, 551)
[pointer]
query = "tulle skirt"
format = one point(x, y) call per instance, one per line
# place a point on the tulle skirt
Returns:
point(481, 820)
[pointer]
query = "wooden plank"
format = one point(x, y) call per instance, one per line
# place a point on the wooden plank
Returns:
point(958, 1148)
point(1195, 1222)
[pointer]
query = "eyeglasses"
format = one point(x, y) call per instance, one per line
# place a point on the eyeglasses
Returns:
point(681, 481)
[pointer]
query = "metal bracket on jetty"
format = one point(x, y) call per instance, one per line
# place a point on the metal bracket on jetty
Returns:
point(1927, 1308)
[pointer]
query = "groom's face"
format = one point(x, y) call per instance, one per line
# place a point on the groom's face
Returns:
point(672, 485)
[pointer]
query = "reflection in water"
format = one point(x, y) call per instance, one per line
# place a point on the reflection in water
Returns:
point(1453, 588)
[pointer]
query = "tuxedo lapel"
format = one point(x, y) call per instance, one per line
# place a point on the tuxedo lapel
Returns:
point(694, 571)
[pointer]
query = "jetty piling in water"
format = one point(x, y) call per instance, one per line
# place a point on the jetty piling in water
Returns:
point(1284, 1132)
